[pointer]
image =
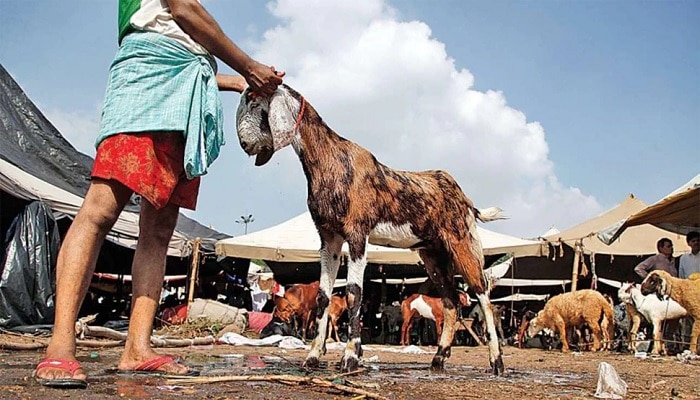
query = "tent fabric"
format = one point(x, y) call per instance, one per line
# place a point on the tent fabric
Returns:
point(297, 240)
point(636, 241)
point(521, 297)
point(679, 212)
point(532, 282)
point(38, 163)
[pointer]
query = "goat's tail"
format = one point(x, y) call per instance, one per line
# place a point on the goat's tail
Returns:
point(490, 214)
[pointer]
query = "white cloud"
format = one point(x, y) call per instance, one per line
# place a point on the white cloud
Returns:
point(390, 86)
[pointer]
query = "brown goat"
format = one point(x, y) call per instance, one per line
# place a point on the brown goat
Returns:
point(336, 309)
point(298, 301)
point(419, 306)
point(573, 310)
point(685, 292)
point(354, 198)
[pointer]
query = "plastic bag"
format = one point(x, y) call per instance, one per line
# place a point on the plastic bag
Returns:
point(610, 385)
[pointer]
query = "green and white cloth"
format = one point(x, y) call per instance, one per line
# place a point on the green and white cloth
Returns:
point(157, 84)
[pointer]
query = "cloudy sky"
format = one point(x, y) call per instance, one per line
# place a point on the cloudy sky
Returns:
point(554, 111)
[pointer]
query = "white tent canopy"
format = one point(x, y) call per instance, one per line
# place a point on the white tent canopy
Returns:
point(679, 212)
point(636, 241)
point(297, 240)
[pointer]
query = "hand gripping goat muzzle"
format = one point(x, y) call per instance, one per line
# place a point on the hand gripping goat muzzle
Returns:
point(266, 125)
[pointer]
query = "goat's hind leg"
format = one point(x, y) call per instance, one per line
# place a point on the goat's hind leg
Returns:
point(435, 265)
point(467, 264)
point(330, 262)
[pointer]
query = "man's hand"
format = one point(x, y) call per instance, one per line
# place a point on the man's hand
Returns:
point(263, 79)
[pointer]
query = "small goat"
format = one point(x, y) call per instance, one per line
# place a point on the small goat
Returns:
point(684, 291)
point(419, 306)
point(336, 309)
point(653, 309)
point(574, 309)
point(354, 198)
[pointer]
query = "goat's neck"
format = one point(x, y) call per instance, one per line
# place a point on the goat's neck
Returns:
point(314, 140)
point(637, 297)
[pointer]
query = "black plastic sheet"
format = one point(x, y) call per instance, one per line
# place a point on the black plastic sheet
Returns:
point(27, 272)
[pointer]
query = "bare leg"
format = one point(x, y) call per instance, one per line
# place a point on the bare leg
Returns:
point(76, 263)
point(156, 228)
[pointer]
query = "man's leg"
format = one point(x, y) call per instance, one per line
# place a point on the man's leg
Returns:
point(75, 265)
point(156, 228)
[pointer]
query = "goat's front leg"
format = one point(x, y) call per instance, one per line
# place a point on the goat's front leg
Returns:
point(331, 245)
point(635, 321)
point(561, 327)
point(356, 272)
point(657, 337)
point(694, 334)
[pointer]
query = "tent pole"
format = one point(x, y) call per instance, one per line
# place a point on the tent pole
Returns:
point(574, 272)
point(194, 270)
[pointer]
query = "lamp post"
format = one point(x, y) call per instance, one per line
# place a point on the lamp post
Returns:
point(245, 221)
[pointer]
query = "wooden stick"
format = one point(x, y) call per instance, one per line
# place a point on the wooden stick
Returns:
point(276, 378)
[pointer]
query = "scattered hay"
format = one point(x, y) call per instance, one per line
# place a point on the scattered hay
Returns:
point(192, 329)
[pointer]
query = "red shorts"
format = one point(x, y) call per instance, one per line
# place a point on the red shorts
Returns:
point(150, 164)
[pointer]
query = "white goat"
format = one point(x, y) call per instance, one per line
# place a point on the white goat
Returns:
point(685, 291)
point(355, 199)
point(653, 309)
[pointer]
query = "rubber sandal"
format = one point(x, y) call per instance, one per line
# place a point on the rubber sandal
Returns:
point(151, 368)
point(63, 365)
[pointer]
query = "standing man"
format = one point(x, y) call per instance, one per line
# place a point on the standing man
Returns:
point(690, 262)
point(161, 129)
point(661, 261)
point(689, 267)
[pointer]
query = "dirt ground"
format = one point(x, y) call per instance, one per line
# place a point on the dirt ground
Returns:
point(530, 374)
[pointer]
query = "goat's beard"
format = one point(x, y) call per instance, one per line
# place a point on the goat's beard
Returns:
point(263, 156)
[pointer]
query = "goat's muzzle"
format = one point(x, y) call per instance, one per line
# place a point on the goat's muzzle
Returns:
point(262, 154)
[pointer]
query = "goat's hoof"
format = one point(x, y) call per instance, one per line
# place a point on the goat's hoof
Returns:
point(311, 362)
point(497, 368)
point(349, 364)
point(438, 363)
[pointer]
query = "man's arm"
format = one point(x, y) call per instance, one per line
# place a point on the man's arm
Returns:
point(642, 269)
point(199, 24)
point(235, 83)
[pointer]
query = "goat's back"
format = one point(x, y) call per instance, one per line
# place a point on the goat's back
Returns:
point(574, 306)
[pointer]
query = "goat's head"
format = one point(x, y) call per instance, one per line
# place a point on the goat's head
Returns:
point(464, 300)
point(624, 293)
point(535, 325)
point(657, 282)
point(266, 125)
point(284, 310)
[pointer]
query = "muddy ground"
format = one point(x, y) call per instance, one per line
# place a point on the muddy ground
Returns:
point(530, 374)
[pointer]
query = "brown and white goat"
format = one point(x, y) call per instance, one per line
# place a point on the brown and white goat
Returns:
point(419, 306)
point(685, 292)
point(354, 198)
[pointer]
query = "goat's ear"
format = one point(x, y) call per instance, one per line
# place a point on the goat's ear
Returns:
point(282, 117)
point(663, 286)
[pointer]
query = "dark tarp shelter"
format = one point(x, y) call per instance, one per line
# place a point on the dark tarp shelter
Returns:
point(41, 170)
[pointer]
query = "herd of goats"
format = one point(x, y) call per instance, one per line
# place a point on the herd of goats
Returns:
point(591, 320)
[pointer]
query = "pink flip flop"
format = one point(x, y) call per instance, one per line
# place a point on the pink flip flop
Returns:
point(64, 365)
point(151, 368)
